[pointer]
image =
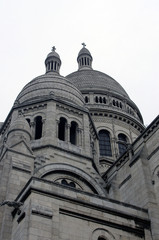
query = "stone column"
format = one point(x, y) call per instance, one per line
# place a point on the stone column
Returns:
point(32, 126)
point(79, 137)
point(125, 103)
point(114, 149)
point(67, 132)
point(57, 127)
point(43, 127)
point(113, 140)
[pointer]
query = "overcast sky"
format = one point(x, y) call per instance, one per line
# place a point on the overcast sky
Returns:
point(122, 36)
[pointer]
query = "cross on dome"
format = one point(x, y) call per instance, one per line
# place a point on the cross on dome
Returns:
point(84, 45)
point(53, 49)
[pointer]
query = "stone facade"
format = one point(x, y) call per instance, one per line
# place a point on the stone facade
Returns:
point(76, 161)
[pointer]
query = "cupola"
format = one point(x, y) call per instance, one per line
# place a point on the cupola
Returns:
point(84, 58)
point(53, 62)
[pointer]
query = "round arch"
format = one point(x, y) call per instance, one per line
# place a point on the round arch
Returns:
point(155, 174)
point(54, 167)
point(62, 115)
point(102, 233)
point(123, 132)
point(68, 118)
point(106, 129)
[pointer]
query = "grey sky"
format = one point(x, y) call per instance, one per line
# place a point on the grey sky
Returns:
point(122, 36)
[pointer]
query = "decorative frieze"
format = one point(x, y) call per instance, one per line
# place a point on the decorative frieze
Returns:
point(67, 109)
point(32, 108)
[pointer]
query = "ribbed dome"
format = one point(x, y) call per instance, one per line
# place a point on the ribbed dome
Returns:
point(49, 84)
point(53, 54)
point(84, 51)
point(91, 80)
point(100, 90)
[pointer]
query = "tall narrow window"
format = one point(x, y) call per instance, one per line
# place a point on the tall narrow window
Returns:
point(51, 65)
point(85, 61)
point(38, 127)
point(104, 143)
point(73, 133)
point(86, 99)
point(114, 102)
point(104, 100)
point(96, 99)
point(122, 143)
point(28, 120)
point(61, 129)
point(100, 99)
point(55, 66)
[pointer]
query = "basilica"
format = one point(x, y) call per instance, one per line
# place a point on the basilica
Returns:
point(76, 161)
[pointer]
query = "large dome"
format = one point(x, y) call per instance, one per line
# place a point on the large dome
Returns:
point(50, 84)
point(88, 80)
point(100, 90)
point(91, 80)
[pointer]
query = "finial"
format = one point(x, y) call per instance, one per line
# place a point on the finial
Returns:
point(84, 45)
point(53, 49)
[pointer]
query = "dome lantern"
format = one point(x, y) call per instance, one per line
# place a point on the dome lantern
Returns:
point(84, 58)
point(53, 62)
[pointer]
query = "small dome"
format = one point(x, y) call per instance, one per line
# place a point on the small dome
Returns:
point(47, 85)
point(84, 50)
point(53, 54)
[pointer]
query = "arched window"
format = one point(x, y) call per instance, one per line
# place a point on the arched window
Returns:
point(104, 100)
point(64, 182)
point(100, 99)
point(51, 65)
point(72, 184)
point(104, 143)
point(68, 183)
point(114, 102)
point(101, 238)
point(61, 129)
point(73, 133)
point(122, 143)
point(28, 120)
point(96, 99)
point(38, 127)
point(86, 99)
